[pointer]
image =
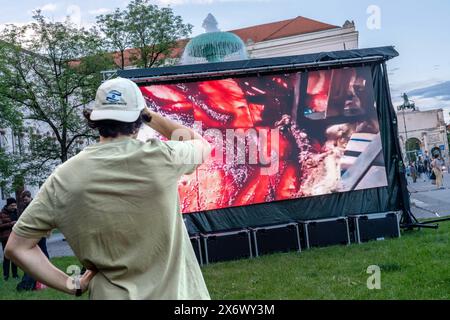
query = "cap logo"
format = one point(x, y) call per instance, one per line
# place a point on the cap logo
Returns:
point(115, 97)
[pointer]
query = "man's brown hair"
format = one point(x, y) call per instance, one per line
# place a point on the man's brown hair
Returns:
point(113, 128)
point(25, 193)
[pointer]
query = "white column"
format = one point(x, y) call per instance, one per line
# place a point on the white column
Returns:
point(425, 142)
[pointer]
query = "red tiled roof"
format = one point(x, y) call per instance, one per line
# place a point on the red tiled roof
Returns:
point(282, 29)
point(258, 33)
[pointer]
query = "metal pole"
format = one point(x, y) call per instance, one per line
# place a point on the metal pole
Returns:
point(438, 220)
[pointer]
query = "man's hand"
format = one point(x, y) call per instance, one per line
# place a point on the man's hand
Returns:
point(177, 132)
point(86, 279)
point(171, 129)
point(27, 255)
point(147, 115)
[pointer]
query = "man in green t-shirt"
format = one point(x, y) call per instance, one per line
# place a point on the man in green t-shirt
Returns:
point(117, 205)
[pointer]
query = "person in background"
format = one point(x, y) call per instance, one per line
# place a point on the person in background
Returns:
point(413, 171)
point(26, 200)
point(28, 283)
point(8, 217)
point(427, 163)
point(443, 168)
point(420, 168)
point(436, 166)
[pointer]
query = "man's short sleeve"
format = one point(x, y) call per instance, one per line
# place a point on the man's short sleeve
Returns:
point(38, 219)
point(186, 155)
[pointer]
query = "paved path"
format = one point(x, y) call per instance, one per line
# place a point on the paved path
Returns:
point(426, 200)
point(56, 245)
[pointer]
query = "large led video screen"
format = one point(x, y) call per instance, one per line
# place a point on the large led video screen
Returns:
point(277, 137)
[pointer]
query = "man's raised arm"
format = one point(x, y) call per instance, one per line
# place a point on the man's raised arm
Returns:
point(174, 131)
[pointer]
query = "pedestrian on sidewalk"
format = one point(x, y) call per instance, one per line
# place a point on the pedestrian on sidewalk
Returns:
point(420, 169)
point(443, 168)
point(436, 166)
point(413, 170)
point(8, 217)
point(427, 163)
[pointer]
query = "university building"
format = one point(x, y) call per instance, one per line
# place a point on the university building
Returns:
point(297, 36)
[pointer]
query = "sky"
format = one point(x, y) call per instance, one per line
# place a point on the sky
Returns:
point(419, 30)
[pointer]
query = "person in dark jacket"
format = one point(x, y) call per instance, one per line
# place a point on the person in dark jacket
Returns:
point(26, 200)
point(413, 170)
point(28, 283)
point(8, 217)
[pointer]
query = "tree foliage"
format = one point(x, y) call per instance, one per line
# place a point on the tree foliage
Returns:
point(152, 32)
point(114, 27)
point(49, 71)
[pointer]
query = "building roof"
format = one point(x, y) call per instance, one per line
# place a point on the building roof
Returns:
point(281, 29)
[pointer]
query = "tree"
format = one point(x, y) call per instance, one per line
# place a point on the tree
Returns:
point(50, 72)
point(154, 32)
point(11, 118)
point(151, 33)
point(115, 29)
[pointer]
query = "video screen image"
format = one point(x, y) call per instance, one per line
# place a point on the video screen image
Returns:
point(277, 137)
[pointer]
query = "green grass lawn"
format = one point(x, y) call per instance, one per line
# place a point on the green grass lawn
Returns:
point(417, 266)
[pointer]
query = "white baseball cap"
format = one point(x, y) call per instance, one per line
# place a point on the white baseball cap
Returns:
point(118, 99)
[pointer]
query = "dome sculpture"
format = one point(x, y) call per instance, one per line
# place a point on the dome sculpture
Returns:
point(214, 45)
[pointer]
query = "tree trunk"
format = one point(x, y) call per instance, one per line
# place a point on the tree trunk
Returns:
point(64, 149)
point(63, 155)
point(19, 188)
point(144, 58)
